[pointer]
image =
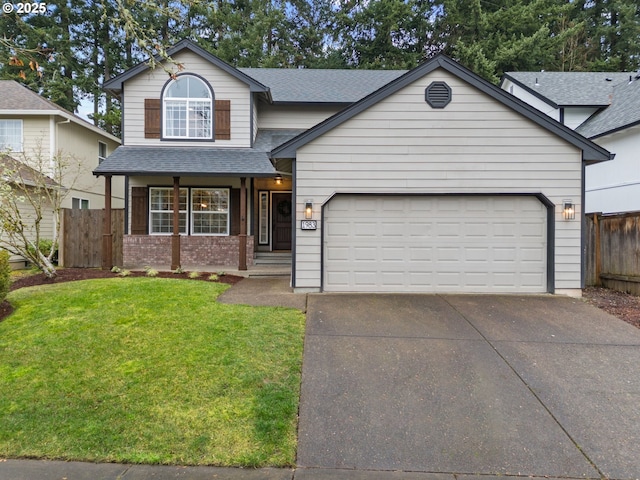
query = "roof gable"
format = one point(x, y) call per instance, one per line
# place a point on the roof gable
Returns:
point(114, 85)
point(624, 112)
point(18, 100)
point(591, 151)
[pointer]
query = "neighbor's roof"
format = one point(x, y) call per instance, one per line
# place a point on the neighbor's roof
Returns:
point(590, 151)
point(197, 161)
point(565, 89)
point(624, 112)
point(18, 100)
point(14, 171)
point(306, 85)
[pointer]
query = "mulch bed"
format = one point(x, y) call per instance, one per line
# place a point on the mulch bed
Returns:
point(619, 304)
point(622, 305)
point(74, 274)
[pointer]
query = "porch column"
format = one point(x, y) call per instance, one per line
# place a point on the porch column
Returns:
point(107, 236)
point(175, 237)
point(242, 247)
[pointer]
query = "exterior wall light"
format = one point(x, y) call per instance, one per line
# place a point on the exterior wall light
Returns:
point(568, 210)
point(278, 179)
point(308, 209)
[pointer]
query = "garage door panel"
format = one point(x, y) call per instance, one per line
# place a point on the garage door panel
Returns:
point(435, 244)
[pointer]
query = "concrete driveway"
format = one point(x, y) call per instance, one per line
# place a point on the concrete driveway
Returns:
point(491, 385)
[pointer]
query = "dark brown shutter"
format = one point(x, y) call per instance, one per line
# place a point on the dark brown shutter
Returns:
point(234, 205)
point(139, 210)
point(223, 120)
point(151, 118)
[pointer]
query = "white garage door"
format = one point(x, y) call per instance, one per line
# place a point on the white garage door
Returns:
point(481, 244)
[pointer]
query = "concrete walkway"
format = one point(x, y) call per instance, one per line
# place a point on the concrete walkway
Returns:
point(264, 292)
point(427, 387)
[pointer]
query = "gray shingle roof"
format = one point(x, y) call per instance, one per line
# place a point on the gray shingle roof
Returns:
point(290, 85)
point(571, 88)
point(590, 151)
point(187, 161)
point(623, 112)
point(14, 96)
point(12, 170)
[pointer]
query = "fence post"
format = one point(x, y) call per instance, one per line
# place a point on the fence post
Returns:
point(597, 248)
point(107, 236)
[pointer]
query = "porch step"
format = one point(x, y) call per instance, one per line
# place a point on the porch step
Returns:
point(272, 258)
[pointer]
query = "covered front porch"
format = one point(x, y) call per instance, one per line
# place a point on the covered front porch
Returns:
point(205, 216)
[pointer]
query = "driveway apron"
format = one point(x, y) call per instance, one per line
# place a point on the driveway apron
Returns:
point(473, 384)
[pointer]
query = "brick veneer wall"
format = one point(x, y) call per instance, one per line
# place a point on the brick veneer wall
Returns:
point(140, 250)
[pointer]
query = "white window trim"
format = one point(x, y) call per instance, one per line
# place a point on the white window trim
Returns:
point(151, 212)
point(106, 152)
point(187, 100)
point(4, 147)
point(80, 201)
point(189, 212)
point(264, 217)
point(228, 213)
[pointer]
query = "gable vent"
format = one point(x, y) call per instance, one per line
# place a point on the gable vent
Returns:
point(438, 95)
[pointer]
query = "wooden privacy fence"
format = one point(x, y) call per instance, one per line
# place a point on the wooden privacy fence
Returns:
point(613, 251)
point(82, 237)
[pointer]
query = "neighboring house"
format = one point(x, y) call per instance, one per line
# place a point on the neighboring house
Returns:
point(34, 131)
point(431, 180)
point(604, 107)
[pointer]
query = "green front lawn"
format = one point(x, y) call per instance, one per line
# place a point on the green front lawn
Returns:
point(148, 370)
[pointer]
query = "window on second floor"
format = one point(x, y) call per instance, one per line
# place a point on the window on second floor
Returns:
point(11, 135)
point(102, 152)
point(187, 109)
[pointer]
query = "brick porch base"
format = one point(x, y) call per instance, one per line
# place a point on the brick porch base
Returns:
point(139, 250)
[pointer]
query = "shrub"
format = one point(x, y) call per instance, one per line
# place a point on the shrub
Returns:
point(194, 274)
point(124, 273)
point(45, 246)
point(5, 274)
point(213, 277)
point(151, 272)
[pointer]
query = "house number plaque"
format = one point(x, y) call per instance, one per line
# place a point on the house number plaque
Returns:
point(309, 225)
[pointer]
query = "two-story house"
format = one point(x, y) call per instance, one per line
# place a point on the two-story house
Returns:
point(604, 107)
point(36, 132)
point(430, 180)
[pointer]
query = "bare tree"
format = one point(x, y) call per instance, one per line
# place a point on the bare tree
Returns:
point(32, 190)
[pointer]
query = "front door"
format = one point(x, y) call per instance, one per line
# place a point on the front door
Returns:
point(281, 215)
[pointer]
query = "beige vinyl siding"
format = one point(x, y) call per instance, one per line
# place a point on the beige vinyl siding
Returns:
point(35, 133)
point(293, 116)
point(149, 85)
point(474, 145)
point(78, 146)
point(254, 113)
point(46, 227)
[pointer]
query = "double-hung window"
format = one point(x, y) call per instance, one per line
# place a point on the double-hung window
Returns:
point(203, 211)
point(10, 135)
point(161, 210)
point(210, 211)
point(188, 109)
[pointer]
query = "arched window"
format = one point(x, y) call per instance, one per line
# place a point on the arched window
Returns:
point(187, 109)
